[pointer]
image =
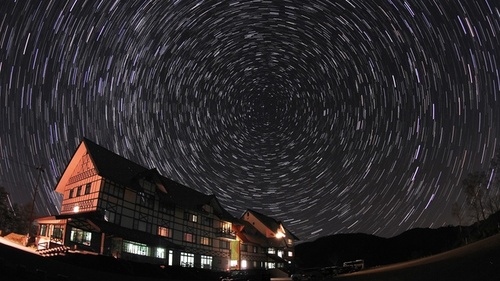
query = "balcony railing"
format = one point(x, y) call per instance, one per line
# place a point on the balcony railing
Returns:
point(225, 233)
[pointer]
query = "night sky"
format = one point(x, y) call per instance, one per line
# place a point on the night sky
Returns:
point(332, 116)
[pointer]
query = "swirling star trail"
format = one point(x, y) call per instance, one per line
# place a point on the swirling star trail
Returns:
point(332, 116)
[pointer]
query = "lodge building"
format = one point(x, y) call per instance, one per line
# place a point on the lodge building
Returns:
point(113, 206)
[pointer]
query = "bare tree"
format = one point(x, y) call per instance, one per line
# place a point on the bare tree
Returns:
point(494, 184)
point(474, 188)
point(7, 213)
point(458, 213)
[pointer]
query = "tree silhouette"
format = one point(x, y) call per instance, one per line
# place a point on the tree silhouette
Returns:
point(494, 200)
point(6, 212)
point(13, 217)
point(474, 185)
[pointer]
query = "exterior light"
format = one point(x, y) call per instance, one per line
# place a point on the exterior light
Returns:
point(76, 209)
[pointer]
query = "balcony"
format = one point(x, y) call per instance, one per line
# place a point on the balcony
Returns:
point(225, 233)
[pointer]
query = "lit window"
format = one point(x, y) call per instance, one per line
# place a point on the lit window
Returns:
point(163, 231)
point(81, 237)
point(271, 251)
point(290, 253)
point(170, 257)
point(205, 241)
point(190, 217)
point(189, 237)
point(160, 253)
point(280, 253)
point(43, 230)
point(135, 248)
point(206, 262)
point(244, 264)
point(187, 259)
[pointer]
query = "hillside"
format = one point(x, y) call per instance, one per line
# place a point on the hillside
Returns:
point(415, 243)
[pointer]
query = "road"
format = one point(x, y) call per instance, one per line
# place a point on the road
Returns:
point(476, 261)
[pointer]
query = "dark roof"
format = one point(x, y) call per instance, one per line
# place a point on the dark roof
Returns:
point(111, 165)
point(189, 198)
point(126, 172)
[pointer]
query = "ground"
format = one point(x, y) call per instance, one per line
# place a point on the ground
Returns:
point(476, 261)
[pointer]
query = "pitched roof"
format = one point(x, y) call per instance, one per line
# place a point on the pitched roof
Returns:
point(111, 165)
point(126, 172)
point(271, 223)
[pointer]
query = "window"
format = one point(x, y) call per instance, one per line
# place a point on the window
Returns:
point(58, 232)
point(223, 244)
point(71, 191)
point(290, 253)
point(170, 257)
point(280, 253)
point(207, 221)
point(167, 209)
point(43, 230)
point(190, 217)
point(81, 237)
point(145, 199)
point(206, 262)
point(87, 188)
point(189, 237)
point(270, 265)
point(78, 191)
point(163, 231)
point(160, 253)
point(205, 241)
point(271, 251)
point(113, 189)
point(187, 259)
point(135, 248)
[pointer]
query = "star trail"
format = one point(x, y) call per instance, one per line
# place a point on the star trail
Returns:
point(332, 116)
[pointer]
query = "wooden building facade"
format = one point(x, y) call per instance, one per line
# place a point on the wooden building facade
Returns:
point(113, 206)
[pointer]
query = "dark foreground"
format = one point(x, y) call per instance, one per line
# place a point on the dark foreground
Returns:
point(17, 264)
point(476, 261)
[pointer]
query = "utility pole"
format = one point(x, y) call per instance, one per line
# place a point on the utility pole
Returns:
point(32, 218)
point(35, 193)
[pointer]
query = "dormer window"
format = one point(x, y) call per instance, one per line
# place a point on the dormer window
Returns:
point(145, 199)
point(190, 217)
point(207, 208)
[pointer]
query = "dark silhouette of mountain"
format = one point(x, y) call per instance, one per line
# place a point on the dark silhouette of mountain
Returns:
point(412, 244)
